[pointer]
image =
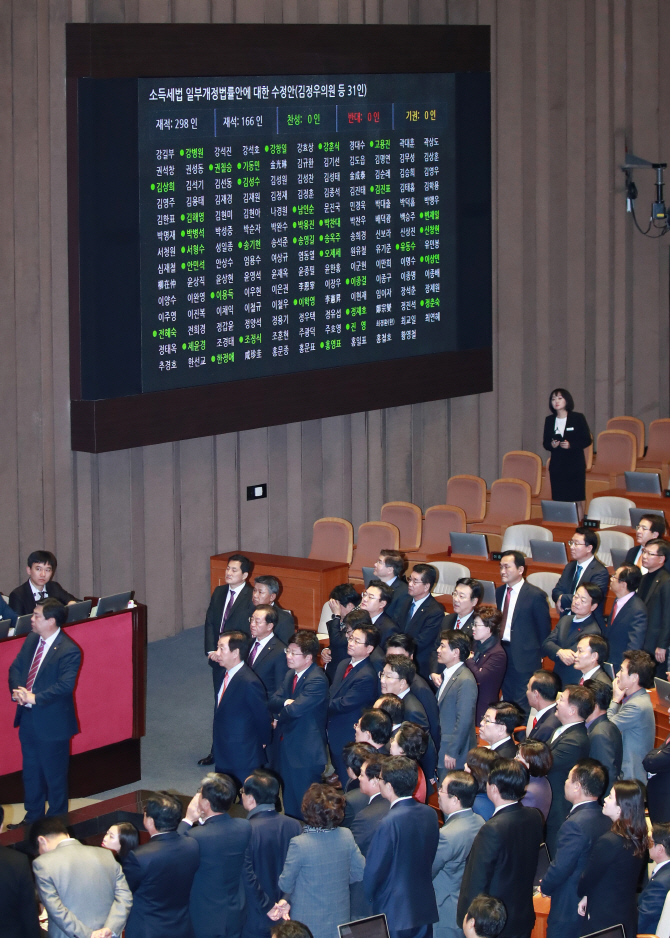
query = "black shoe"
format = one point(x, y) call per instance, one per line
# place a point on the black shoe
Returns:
point(13, 827)
point(208, 760)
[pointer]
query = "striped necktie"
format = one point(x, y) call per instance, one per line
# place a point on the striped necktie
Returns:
point(34, 667)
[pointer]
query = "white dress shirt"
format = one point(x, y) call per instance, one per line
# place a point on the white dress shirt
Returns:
point(558, 732)
point(446, 676)
point(229, 674)
point(513, 596)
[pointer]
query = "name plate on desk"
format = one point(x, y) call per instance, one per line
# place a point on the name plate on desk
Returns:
point(496, 555)
point(590, 523)
point(666, 493)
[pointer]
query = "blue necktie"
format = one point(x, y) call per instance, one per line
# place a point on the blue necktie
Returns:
point(578, 573)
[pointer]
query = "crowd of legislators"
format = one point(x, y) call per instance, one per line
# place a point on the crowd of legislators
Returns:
point(334, 765)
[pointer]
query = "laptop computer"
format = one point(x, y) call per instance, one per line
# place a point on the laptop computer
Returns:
point(647, 482)
point(23, 625)
point(616, 931)
point(78, 611)
point(548, 552)
point(663, 688)
point(368, 574)
point(618, 556)
point(565, 512)
point(373, 927)
point(636, 514)
point(5, 626)
point(473, 545)
point(114, 603)
point(543, 863)
point(489, 592)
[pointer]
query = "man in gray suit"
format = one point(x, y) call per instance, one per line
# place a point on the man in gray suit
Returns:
point(456, 796)
point(457, 700)
point(635, 715)
point(82, 888)
point(605, 743)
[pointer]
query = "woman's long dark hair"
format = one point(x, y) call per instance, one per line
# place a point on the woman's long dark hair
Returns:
point(128, 838)
point(631, 825)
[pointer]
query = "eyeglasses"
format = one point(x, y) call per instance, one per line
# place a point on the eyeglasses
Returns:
point(646, 551)
point(576, 543)
point(642, 527)
point(296, 654)
point(486, 720)
point(355, 641)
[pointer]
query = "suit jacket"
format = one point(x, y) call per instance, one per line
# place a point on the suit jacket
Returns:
point(651, 901)
point(657, 761)
point(387, 627)
point(594, 573)
point(576, 836)
point(399, 587)
point(657, 601)
point(627, 632)
point(507, 750)
point(545, 726)
point(18, 907)
point(22, 600)
point(602, 676)
point(82, 889)
point(453, 848)
point(415, 713)
point(631, 557)
point(606, 745)
point(488, 667)
point(6, 612)
point(571, 746)
point(425, 694)
point(457, 704)
point(424, 627)
point(398, 866)
point(285, 626)
point(337, 642)
point(635, 719)
point(531, 624)
point(160, 875)
point(566, 635)
point(502, 863)
point(270, 664)
point(301, 730)
point(53, 713)
point(238, 620)
point(271, 834)
point(367, 821)
point(355, 800)
point(242, 726)
point(348, 698)
point(223, 876)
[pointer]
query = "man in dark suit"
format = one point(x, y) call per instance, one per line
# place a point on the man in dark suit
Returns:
point(396, 681)
point(389, 568)
point(504, 853)
point(583, 826)
point(605, 741)
point(42, 679)
point(300, 751)
point(18, 905)
point(657, 763)
point(375, 727)
point(271, 834)
point(583, 568)
point(649, 528)
point(267, 656)
point(525, 625)
point(40, 584)
point(652, 898)
point(365, 824)
point(467, 595)
point(161, 873)
point(401, 644)
point(397, 879)
point(353, 689)
point(225, 873)
point(654, 591)
point(421, 616)
point(569, 743)
point(266, 591)
point(354, 755)
point(626, 626)
point(375, 599)
point(497, 728)
point(457, 700)
point(343, 602)
point(242, 724)
point(560, 646)
point(591, 653)
point(230, 608)
point(543, 689)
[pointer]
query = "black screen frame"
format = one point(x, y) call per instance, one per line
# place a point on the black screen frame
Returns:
point(134, 51)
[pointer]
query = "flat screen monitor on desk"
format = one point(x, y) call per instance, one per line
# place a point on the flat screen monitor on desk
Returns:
point(618, 556)
point(373, 927)
point(637, 513)
point(548, 551)
point(5, 626)
point(560, 512)
point(472, 545)
point(647, 483)
point(78, 611)
point(114, 603)
point(23, 625)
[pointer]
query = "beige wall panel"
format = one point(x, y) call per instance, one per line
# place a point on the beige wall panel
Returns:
point(312, 480)
point(249, 11)
point(336, 447)
point(190, 11)
point(376, 432)
point(464, 437)
point(254, 515)
point(329, 11)
point(227, 487)
point(278, 490)
point(308, 11)
point(294, 490)
point(197, 496)
point(223, 11)
point(355, 11)
point(83, 580)
point(462, 12)
point(137, 524)
point(398, 454)
point(163, 587)
point(290, 11)
point(107, 11)
point(359, 470)
point(154, 11)
point(373, 11)
point(115, 523)
point(433, 456)
point(395, 11)
point(432, 11)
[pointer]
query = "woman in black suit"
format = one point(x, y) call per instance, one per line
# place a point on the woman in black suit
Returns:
point(566, 436)
point(607, 887)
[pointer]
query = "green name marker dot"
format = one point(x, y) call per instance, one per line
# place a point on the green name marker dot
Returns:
point(211, 167)
point(211, 296)
point(155, 333)
point(239, 182)
point(183, 217)
point(183, 234)
point(321, 221)
point(321, 346)
point(295, 208)
point(152, 187)
point(421, 302)
point(347, 280)
point(372, 188)
point(421, 230)
point(397, 247)
point(239, 166)
point(239, 244)
point(320, 237)
point(421, 260)
point(183, 266)
point(295, 302)
point(183, 249)
point(321, 148)
point(295, 240)
point(181, 152)
point(241, 338)
point(347, 312)
point(321, 255)
point(267, 148)
point(184, 346)
point(213, 358)
point(347, 326)
point(420, 214)
point(371, 143)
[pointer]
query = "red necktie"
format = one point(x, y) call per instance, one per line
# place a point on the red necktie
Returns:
point(347, 671)
point(35, 665)
point(458, 623)
point(534, 722)
point(295, 681)
point(581, 680)
point(225, 685)
point(503, 624)
point(226, 611)
point(615, 609)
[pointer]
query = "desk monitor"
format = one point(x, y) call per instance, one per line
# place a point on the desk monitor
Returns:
point(647, 482)
point(608, 667)
point(565, 512)
point(78, 611)
point(368, 574)
point(543, 862)
point(548, 551)
point(373, 927)
point(474, 545)
point(489, 592)
point(616, 931)
point(23, 625)
point(114, 603)
point(636, 514)
point(618, 556)
point(662, 687)
point(5, 626)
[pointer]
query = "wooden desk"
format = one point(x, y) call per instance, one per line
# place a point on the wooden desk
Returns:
point(662, 715)
point(306, 584)
point(643, 500)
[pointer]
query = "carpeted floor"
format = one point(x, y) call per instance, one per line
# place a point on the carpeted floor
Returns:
point(180, 706)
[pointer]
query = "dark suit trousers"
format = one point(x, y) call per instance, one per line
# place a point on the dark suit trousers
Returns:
point(296, 782)
point(515, 683)
point(45, 768)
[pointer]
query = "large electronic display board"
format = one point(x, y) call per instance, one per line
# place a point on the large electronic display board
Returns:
point(301, 239)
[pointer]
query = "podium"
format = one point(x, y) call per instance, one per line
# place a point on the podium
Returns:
point(110, 700)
